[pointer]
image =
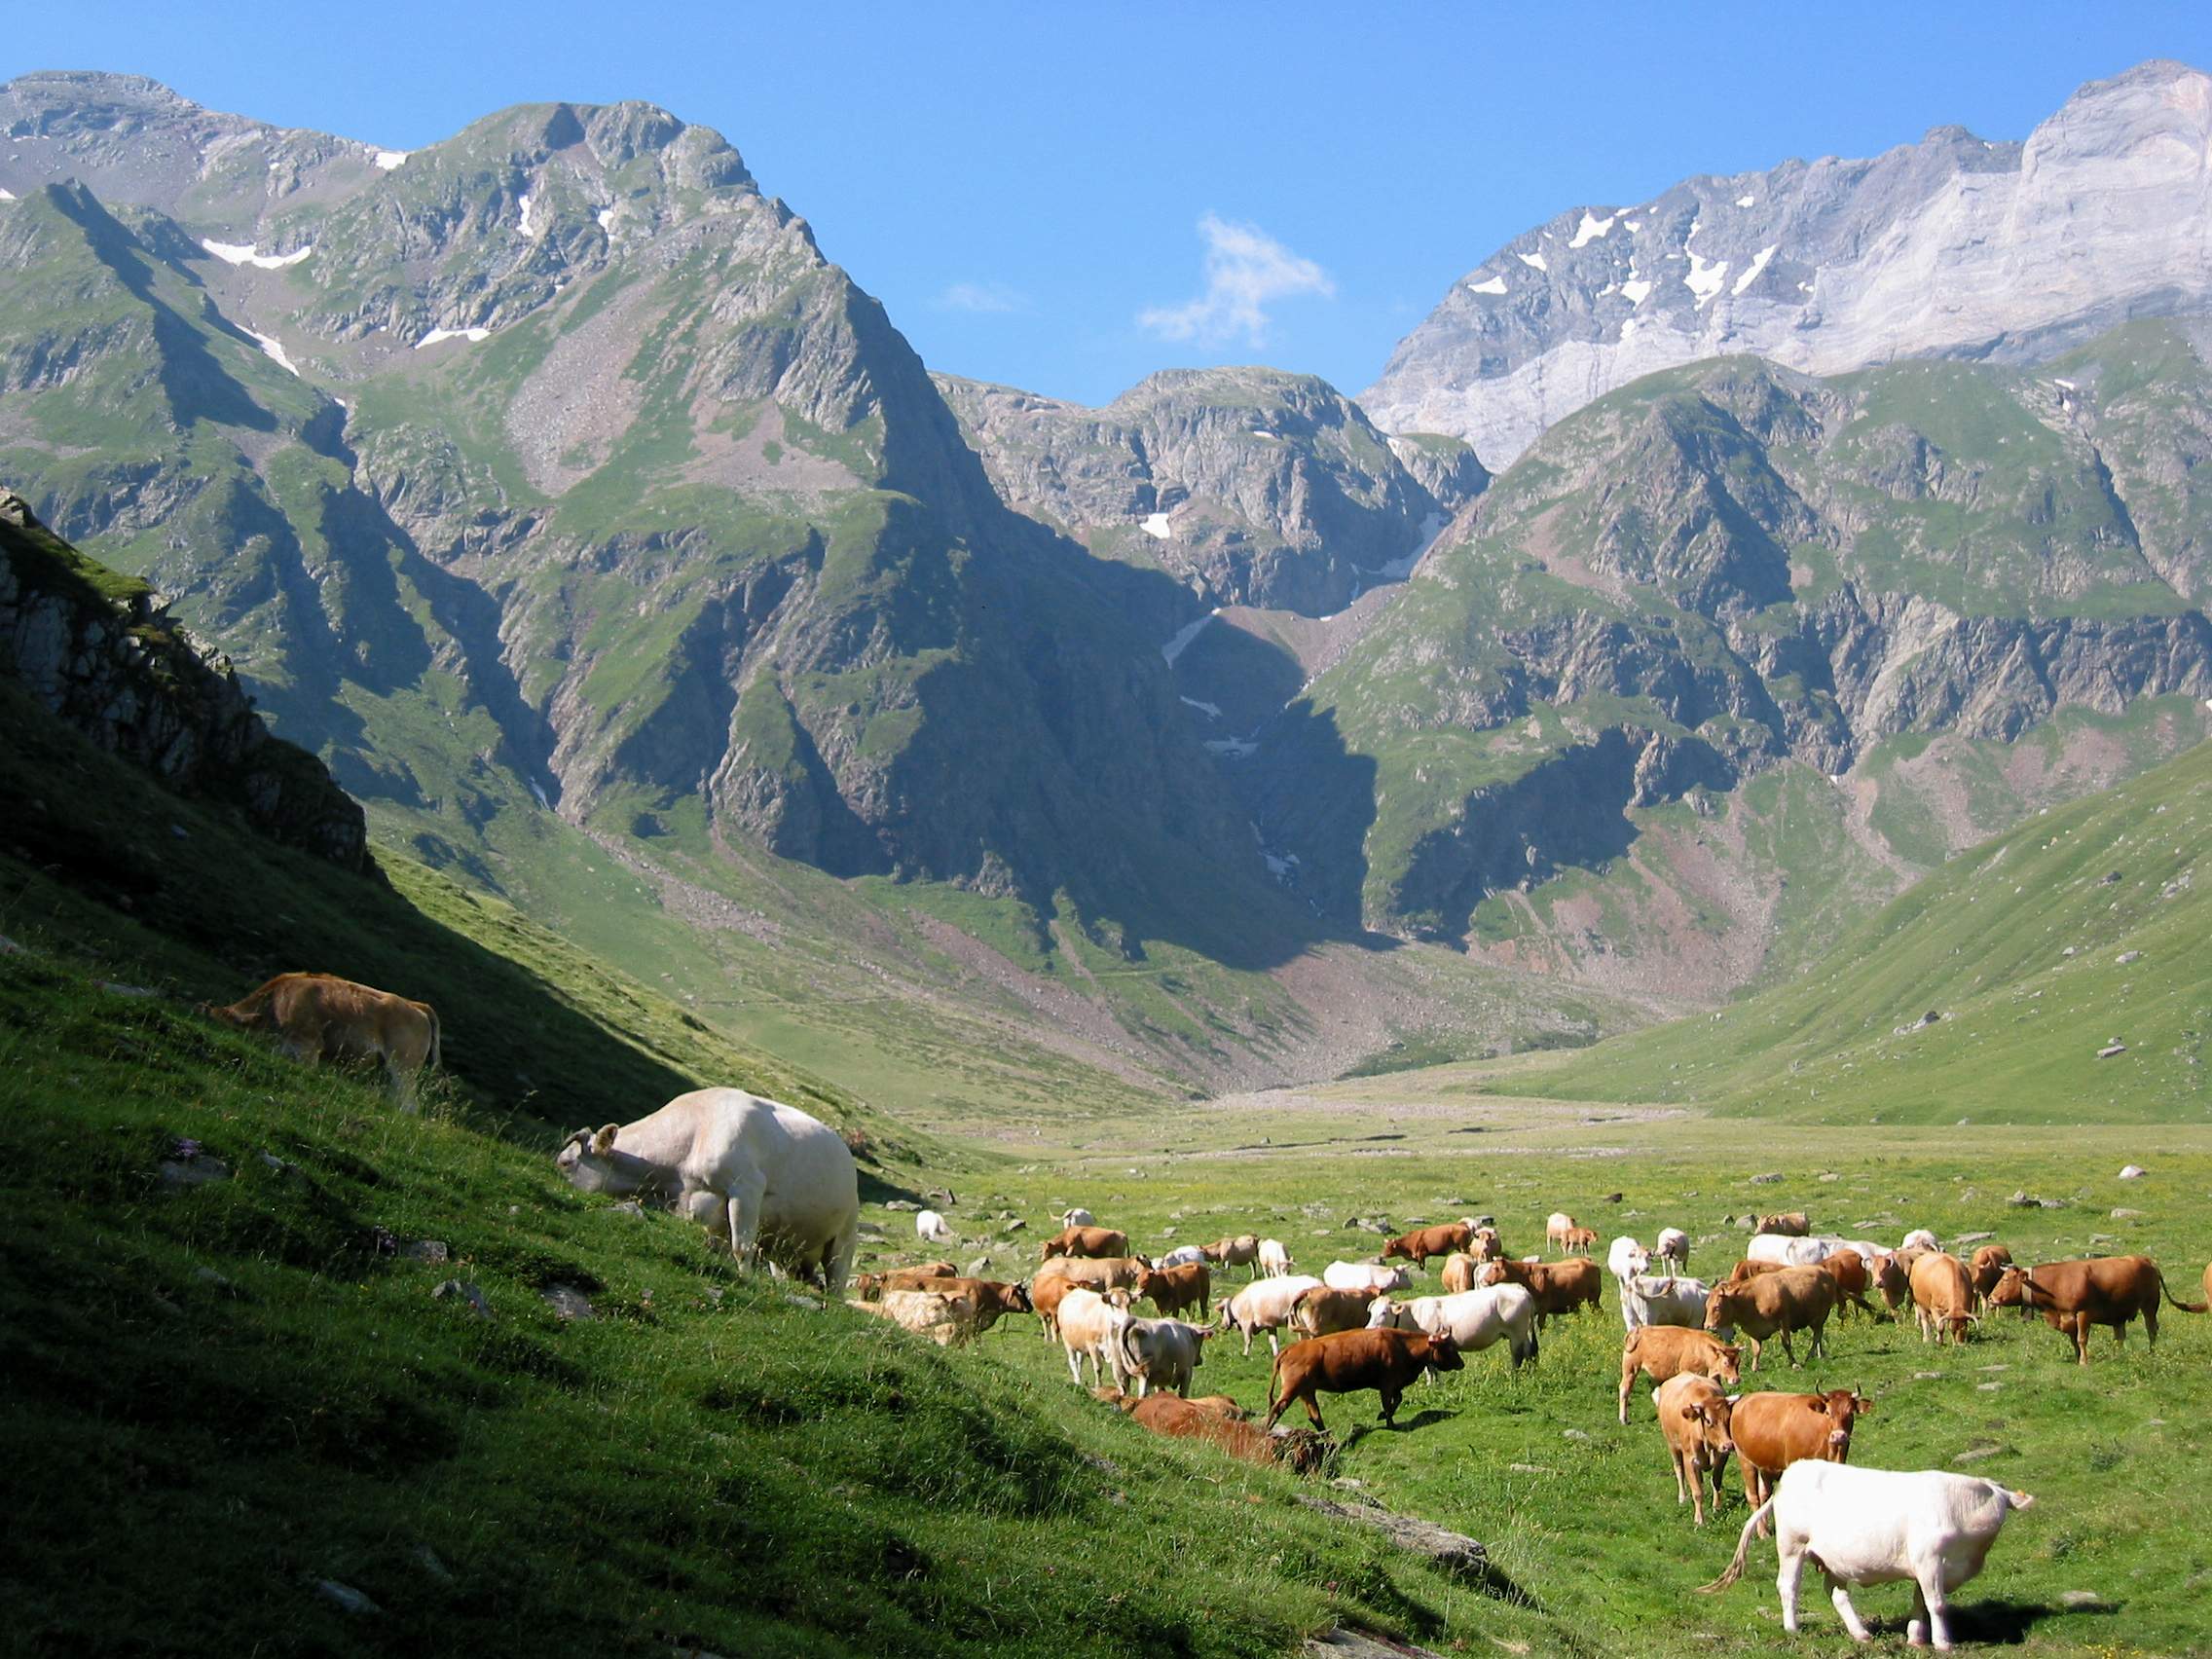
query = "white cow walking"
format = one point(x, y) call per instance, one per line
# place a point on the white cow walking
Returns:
point(1473, 1319)
point(766, 1176)
point(1876, 1526)
point(932, 1229)
point(1275, 1259)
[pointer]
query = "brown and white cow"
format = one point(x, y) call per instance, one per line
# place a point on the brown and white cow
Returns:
point(1558, 1287)
point(1424, 1242)
point(1775, 1305)
point(2102, 1290)
point(1774, 1430)
point(319, 1017)
point(1693, 1419)
point(1662, 1351)
point(1085, 1241)
point(1387, 1362)
point(1557, 1226)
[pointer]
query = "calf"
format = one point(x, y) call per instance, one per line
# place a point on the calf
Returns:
point(943, 1319)
point(1458, 1274)
point(1988, 1266)
point(2102, 1290)
point(1324, 1311)
point(1473, 1319)
point(1424, 1242)
point(1799, 1298)
point(1774, 1430)
point(932, 1229)
point(1661, 1351)
point(1875, 1526)
point(318, 1017)
point(1693, 1419)
point(1485, 1246)
point(1558, 1287)
point(1942, 1297)
point(1173, 1289)
point(1162, 1354)
point(1387, 1362)
point(1264, 1305)
point(1367, 1276)
point(1241, 1251)
point(1086, 1241)
point(1557, 1226)
point(1275, 1260)
point(1674, 1247)
point(1790, 1223)
point(1581, 1240)
point(1299, 1450)
point(1647, 1300)
point(1090, 1328)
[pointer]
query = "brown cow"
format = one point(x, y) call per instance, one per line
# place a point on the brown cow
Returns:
point(1848, 1267)
point(1798, 1299)
point(1047, 1291)
point(1558, 1287)
point(1774, 1430)
point(1300, 1450)
point(1894, 1281)
point(1345, 1363)
point(319, 1017)
point(2102, 1290)
point(1173, 1289)
point(1322, 1312)
point(1790, 1223)
point(1746, 1268)
point(1693, 1417)
point(1241, 1251)
point(1942, 1297)
point(1424, 1242)
point(1988, 1266)
point(1460, 1270)
point(1222, 1406)
point(1099, 1272)
point(1661, 1351)
point(993, 1298)
point(1086, 1241)
point(1581, 1240)
point(1484, 1245)
point(870, 1288)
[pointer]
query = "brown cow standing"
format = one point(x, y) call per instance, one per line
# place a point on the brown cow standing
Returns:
point(2102, 1290)
point(1047, 1291)
point(1424, 1242)
point(1894, 1281)
point(1558, 1287)
point(1848, 1267)
point(1693, 1417)
point(1241, 1251)
point(1173, 1289)
point(1581, 1240)
point(1798, 1299)
point(319, 1017)
point(1300, 1449)
point(1662, 1351)
point(1988, 1266)
point(1322, 1312)
point(1774, 1430)
point(993, 1298)
point(1746, 1268)
point(1086, 1241)
point(1387, 1362)
point(1942, 1297)
point(1484, 1245)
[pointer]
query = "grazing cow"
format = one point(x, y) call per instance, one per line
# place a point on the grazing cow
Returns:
point(1557, 1226)
point(1264, 1305)
point(1173, 1289)
point(1894, 1281)
point(1674, 1247)
point(1078, 1217)
point(1942, 1297)
point(1920, 1239)
point(1789, 1224)
point(1424, 1242)
point(1299, 1450)
point(1661, 1351)
point(1625, 1257)
point(868, 1287)
point(1474, 1320)
point(1085, 1241)
point(1183, 1256)
point(1275, 1260)
point(1581, 1240)
point(1693, 1419)
point(1458, 1274)
point(932, 1229)
point(946, 1318)
point(1558, 1287)
point(1848, 1267)
point(1751, 1267)
point(1162, 1354)
point(1241, 1251)
point(766, 1176)
point(2102, 1290)
point(1773, 1304)
point(1647, 1301)
point(1099, 1272)
point(1874, 1526)
point(318, 1016)
point(1367, 1276)
point(1386, 1361)
point(1484, 1245)
point(1090, 1328)
point(1790, 1249)
point(1047, 1291)
point(1988, 1266)
point(993, 1298)
point(1774, 1430)
point(1324, 1311)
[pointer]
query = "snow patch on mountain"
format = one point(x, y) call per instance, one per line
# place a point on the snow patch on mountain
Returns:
point(243, 253)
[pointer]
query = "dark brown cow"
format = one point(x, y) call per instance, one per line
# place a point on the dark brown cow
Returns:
point(1661, 1351)
point(1173, 1289)
point(1299, 1450)
point(1774, 1430)
point(1426, 1241)
point(1086, 1241)
point(2102, 1290)
point(318, 1016)
point(1387, 1362)
point(1790, 1223)
point(1558, 1287)
point(1798, 1299)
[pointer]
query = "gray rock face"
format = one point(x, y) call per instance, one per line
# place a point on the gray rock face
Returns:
point(1954, 245)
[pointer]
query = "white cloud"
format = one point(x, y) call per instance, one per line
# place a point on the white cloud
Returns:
point(1246, 270)
point(985, 297)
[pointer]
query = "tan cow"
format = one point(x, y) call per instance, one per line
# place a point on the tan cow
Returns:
point(1047, 1291)
point(1796, 1299)
point(1942, 1297)
point(1424, 1242)
point(1222, 1406)
point(1557, 1226)
point(1581, 1240)
point(1484, 1245)
point(1693, 1419)
point(1458, 1275)
point(1774, 1430)
point(1894, 1281)
point(1322, 1312)
point(1241, 1251)
point(1790, 1223)
point(1848, 1267)
point(1748, 1269)
point(870, 1288)
point(994, 1299)
point(1090, 1328)
point(1099, 1272)
point(1558, 1287)
point(1661, 1351)
point(1086, 1241)
point(2102, 1290)
point(319, 1017)
point(945, 1320)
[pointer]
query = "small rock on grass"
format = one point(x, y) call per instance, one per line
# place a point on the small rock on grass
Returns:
point(346, 1596)
point(566, 1301)
point(2133, 1172)
point(2080, 1597)
point(468, 1293)
point(427, 1250)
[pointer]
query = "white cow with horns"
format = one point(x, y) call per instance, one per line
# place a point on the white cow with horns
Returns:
point(767, 1177)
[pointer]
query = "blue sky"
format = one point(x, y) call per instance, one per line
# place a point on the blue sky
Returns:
point(1035, 189)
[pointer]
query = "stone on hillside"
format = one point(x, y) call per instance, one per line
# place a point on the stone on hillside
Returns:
point(2127, 956)
point(2068, 951)
point(7, 946)
point(1454, 1552)
point(870, 1229)
point(1772, 1178)
point(812, 1304)
point(2080, 1597)
point(2125, 1214)
point(2021, 1200)
point(347, 1596)
point(468, 1293)
point(1573, 1434)
point(2114, 1046)
point(1017, 1225)
point(1339, 1643)
point(901, 1204)
point(427, 1250)
point(978, 1267)
point(566, 1300)
point(116, 989)
point(1977, 1454)
point(197, 1170)
point(1832, 1175)
point(2133, 1172)
point(1973, 1237)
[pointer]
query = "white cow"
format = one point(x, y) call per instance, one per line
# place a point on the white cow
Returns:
point(932, 1229)
point(1674, 1247)
point(1090, 1328)
point(768, 1177)
point(1653, 1301)
point(1625, 1257)
point(1182, 1256)
point(1162, 1354)
point(1874, 1526)
point(1365, 1276)
point(1473, 1319)
point(1264, 1305)
point(1275, 1260)
point(1078, 1217)
point(1791, 1252)
point(1921, 1236)
point(947, 1318)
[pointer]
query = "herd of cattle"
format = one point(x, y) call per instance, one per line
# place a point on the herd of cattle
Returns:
point(778, 1185)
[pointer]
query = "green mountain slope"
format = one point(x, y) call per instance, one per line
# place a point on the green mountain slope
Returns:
point(2083, 927)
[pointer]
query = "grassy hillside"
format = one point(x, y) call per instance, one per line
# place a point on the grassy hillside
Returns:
point(2084, 927)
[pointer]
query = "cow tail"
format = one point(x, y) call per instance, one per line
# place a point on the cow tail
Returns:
point(2185, 1307)
point(436, 1062)
point(1742, 1551)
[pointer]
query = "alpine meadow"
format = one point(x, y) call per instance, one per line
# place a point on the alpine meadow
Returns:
point(672, 984)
